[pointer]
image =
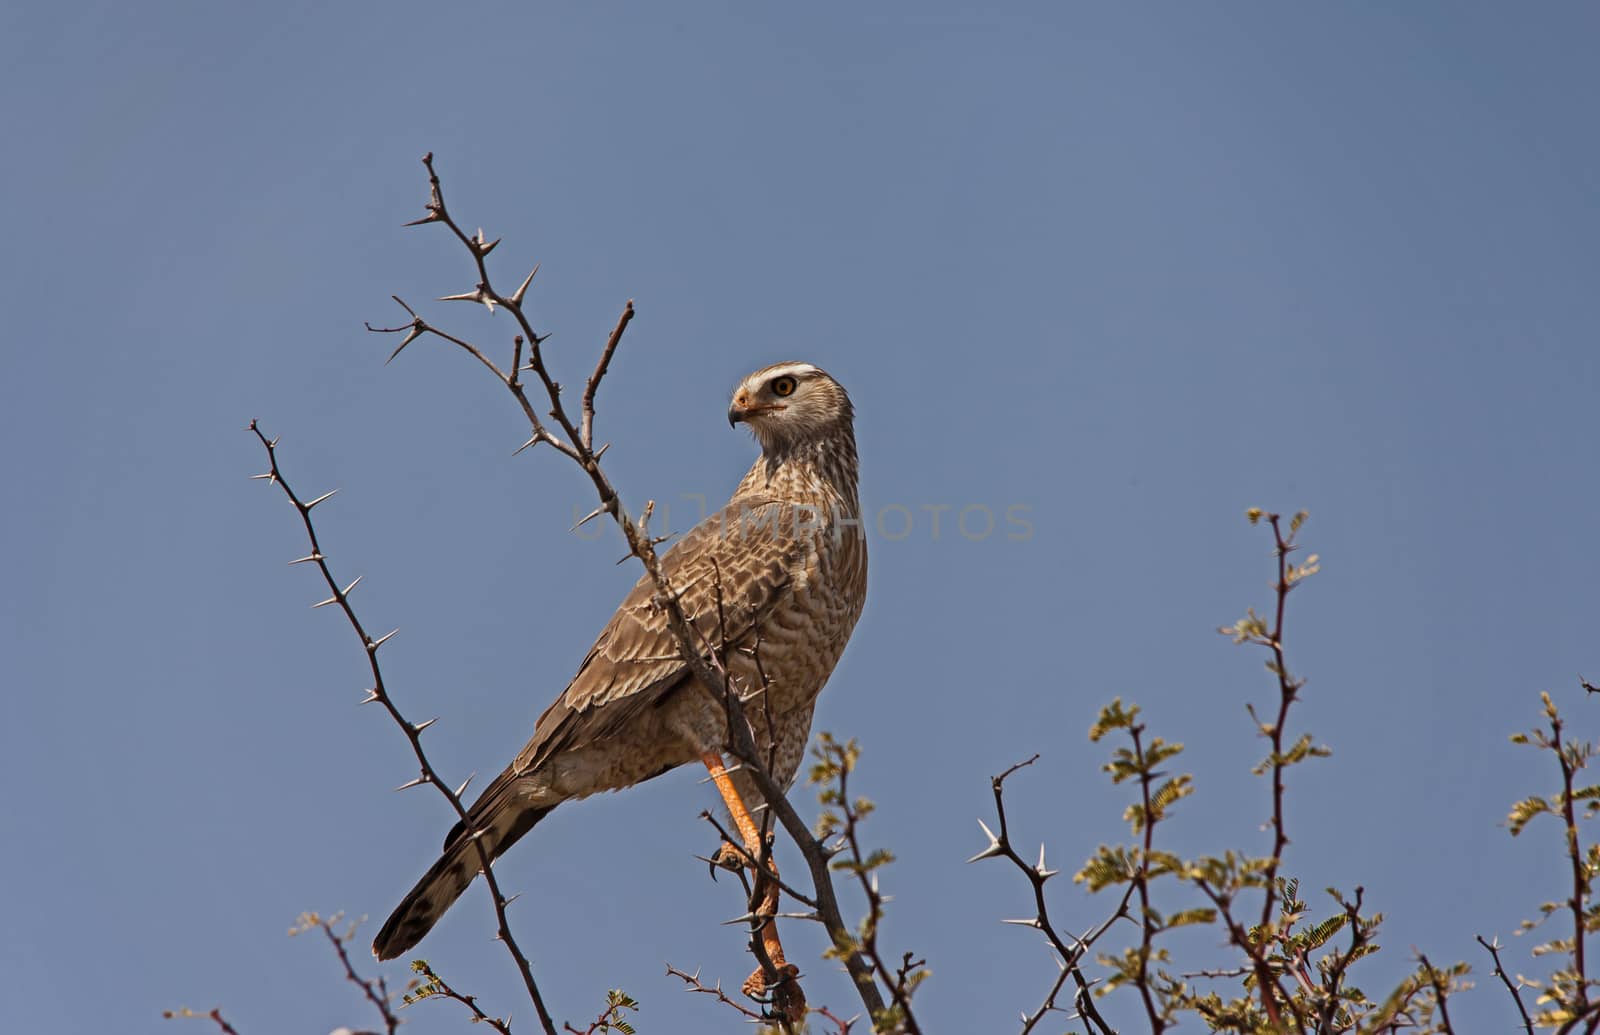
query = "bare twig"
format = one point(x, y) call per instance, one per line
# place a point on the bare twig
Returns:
point(600, 368)
point(375, 990)
point(1068, 955)
point(214, 1016)
point(1493, 948)
point(764, 868)
point(693, 981)
point(379, 693)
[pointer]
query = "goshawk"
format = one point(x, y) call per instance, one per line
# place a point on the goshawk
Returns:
point(777, 579)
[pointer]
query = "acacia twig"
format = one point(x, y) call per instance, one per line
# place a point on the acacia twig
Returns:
point(379, 693)
point(376, 990)
point(715, 991)
point(1068, 956)
point(1493, 948)
point(434, 985)
point(214, 1016)
point(1288, 691)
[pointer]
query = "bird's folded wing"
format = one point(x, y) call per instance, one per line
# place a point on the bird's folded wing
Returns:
point(728, 572)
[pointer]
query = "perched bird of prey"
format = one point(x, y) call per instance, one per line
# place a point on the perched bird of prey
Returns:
point(777, 578)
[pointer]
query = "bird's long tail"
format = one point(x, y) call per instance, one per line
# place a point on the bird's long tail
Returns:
point(501, 823)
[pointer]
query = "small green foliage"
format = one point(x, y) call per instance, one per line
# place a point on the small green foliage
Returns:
point(1299, 752)
point(426, 988)
point(841, 817)
point(1113, 717)
point(1567, 993)
point(1290, 971)
point(1523, 811)
point(1252, 628)
point(618, 1003)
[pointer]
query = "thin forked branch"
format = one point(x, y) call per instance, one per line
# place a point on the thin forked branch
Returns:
point(378, 693)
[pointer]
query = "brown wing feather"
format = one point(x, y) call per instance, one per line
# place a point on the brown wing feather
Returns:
point(744, 553)
point(749, 548)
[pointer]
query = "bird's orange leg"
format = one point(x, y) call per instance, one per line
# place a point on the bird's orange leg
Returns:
point(788, 999)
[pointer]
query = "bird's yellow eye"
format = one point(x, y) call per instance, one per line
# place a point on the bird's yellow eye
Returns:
point(783, 386)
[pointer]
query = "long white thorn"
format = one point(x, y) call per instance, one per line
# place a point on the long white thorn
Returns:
point(994, 849)
point(516, 296)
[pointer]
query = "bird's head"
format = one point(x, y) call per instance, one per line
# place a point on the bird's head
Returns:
point(788, 404)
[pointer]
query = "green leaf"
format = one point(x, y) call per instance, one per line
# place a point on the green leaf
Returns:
point(1113, 717)
point(1523, 811)
point(1192, 916)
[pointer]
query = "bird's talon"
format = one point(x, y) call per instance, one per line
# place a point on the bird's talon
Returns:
point(778, 992)
point(727, 858)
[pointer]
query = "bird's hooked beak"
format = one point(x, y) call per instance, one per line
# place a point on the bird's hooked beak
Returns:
point(742, 408)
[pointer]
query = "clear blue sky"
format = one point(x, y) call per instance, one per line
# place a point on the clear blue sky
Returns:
point(1134, 268)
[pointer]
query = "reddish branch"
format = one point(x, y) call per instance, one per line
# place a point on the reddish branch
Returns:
point(1580, 883)
point(434, 985)
point(375, 990)
point(1287, 688)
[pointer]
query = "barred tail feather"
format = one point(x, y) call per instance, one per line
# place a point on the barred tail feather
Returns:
point(446, 879)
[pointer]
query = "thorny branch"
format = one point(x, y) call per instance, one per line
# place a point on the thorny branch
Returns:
point(1068, 956)
point(1493, 948)
point(378, 693)
point(747, 861)
point(574, 440)
point(715, 991)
